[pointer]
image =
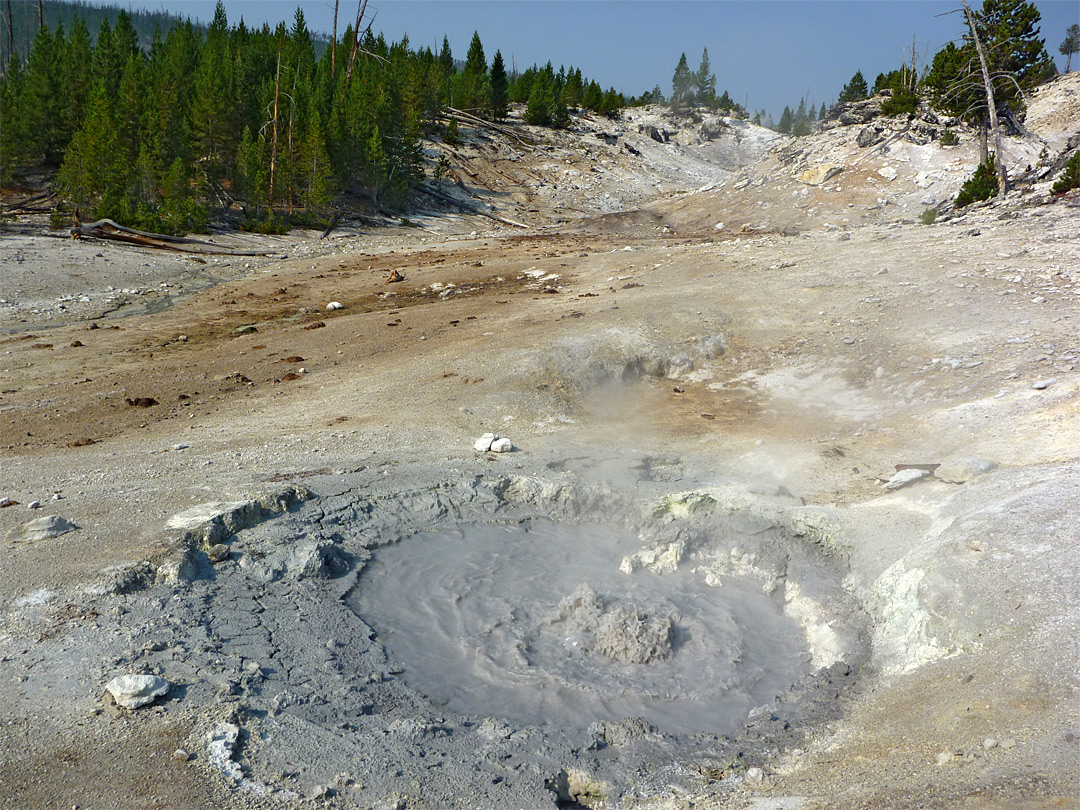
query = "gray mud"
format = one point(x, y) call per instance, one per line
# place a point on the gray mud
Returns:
point(264, 643)
point(536, 624)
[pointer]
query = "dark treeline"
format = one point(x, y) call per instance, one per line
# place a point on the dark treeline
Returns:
point(248, 120)
point(20, 21)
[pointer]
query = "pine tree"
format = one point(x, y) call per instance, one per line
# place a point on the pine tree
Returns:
point(593, 98)
point(821, 112)
point(498, 85)
point(473, 76)
point(613, 102)
point(854, 90)
point(785, 121)
point(800, 124)
point(1070, 45)
point(682, 83)
point(212, 106)
point(705, 80)
point(541, 100)
point(575, 88)
point(446, 65)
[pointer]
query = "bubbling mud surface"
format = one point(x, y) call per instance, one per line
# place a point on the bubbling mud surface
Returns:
point(536, 624)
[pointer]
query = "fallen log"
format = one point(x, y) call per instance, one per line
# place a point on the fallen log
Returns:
point(109, 230)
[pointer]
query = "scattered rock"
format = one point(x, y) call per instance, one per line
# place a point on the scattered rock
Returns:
point(755, 776)
point(905, 477)
point(820, 174)
point(483, 444)
point(41, 529)
point(180, 755)
point(867, 137)
point(133, 691)
point(247, 329)
point(944, 758)
point(6, 502)
point(221, 742)
point(502, 445)
point(315, 325)
point(395, 277)
point(989, 743)
point(218, 552)
point(1042, 385)
point(34, 505)
point(335, 305)
point(962, 470)
point(888, 172)
point(141, 402)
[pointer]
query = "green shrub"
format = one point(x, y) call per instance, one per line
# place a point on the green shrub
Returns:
point(1070, 178)
point(901, 102)
point(980, 186)
point(928, 216)
point(452, 137)
point(949, 138)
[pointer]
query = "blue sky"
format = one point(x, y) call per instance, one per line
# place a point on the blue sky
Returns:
point(765, 53)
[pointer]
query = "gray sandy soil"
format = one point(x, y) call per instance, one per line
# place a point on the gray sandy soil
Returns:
point(757, 355)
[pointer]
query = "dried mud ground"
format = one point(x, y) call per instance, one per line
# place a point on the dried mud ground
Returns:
point(849, 351)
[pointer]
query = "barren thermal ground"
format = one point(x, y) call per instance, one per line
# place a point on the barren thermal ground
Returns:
point(779, 509)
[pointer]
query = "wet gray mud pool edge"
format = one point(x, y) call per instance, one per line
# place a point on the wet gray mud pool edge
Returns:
point(292, 694)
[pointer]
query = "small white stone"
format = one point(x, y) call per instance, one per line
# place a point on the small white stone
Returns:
point(905, 477)
point(483, 444)
point(755, 775)
point(989, 743)
point(944, 758)
point(502, 446)
point(335, 305)
point(34, 505)
point(133, 691)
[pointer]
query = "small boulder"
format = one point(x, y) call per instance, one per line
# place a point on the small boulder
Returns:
point(133, 691)
point(41, 529)
point(502, 445)
point(905, 477)
point(962, 470)
point(483, 444)
point(820, 174)
point(335, 305)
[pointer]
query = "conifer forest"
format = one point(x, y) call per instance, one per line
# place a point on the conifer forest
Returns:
point(253, 124)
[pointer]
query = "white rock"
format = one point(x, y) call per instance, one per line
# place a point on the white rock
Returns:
point(34, 505)
point(220, 744)
point(335, 305)
point(888, 172)
point(483, 444)
point(1041, 385)
point(41, 529)
point(962, 470)
point(756, 775)
point(719, 226)
point(502, 446)
point(905, 477)
point(133, 691)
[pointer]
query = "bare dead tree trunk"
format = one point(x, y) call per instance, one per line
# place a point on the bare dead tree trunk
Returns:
point(10, 37)
point(273, 141)
point(292, 117)
point(333, 43)
point(360, 10)
point(999, 161)
point(40, 14)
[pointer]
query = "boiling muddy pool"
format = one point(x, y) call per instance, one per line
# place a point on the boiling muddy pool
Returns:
point(536, 624)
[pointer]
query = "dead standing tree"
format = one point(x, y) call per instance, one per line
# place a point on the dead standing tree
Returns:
point(991, 106)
